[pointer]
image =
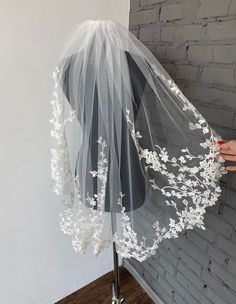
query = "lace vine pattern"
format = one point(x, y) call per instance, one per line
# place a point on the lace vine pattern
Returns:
point(61, 176)
point(82, 223)
point(195, 183)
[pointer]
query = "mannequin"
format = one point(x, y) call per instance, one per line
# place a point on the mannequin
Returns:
point(132, 178)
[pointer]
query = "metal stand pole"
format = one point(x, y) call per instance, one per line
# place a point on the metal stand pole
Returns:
point(116, 297)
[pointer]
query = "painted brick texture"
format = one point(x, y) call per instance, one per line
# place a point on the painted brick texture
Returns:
point(195, 41)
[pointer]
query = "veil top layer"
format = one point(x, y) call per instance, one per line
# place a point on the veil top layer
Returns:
point(133, 159)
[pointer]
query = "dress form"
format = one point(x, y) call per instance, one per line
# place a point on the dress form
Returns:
point(131, 176)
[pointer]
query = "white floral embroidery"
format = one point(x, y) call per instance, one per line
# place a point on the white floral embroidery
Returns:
point(202, 190)
point(61, 177)
point(85, 224)
point(193, 187)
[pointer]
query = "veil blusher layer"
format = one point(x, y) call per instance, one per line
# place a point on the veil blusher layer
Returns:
point(134, 160)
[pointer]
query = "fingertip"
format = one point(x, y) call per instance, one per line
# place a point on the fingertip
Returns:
point(220, 142)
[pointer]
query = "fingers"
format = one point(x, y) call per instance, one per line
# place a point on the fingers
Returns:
point(224, 145)
point(224, 151)
point(228, 157)
point(231, 168)
point(227, 152)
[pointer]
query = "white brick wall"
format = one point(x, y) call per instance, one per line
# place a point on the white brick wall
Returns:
point(168, 33)
point(195, 40)
point(143, 17)
point(192, 32)
point(221, 30)
point(150, 34)
point(199, 53)
point(218, 75)
point(171, 12)
point(224, 53)
point(213, 8)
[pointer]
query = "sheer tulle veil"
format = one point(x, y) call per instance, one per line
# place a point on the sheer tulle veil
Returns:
point(131, 158)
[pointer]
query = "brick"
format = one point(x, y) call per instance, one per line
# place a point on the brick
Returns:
point(176, 286)
point(226, 294)
point(197, 240)
point(221, 30)
point(192, 250)
point(195, 293)
point(162, 294)
point(147, 276)
point(150, 2)
point(231, 267)
point(168, 33)
point(199, 53)
point(190, 275)
point(232, 8)
point(233, 186)
point(224, 275)
point(134, 4)
point(226, 246)
point(189, 10)
point(216, 255)
point(222, 76)
point(179, 299)
point(168, 255)
point(171, 12)
point(204, 300)
point(182, 280)
point(175, 53)
point(211, 294)
point(188, 72)
point(213, 8)
point(218, 225)
point(229, 215)
point(192, 32)
point(191, 300)
point(224, 53)
point(207, 234)
point(150, 34)
point(221, 291)
point(171, 247)
point(160, 52)
point(231, 197)
point(143, 17)
point(160, 271)
point(167, 266)
point(191, 263)
point(164, 284)
point(209, 279)
point(216, 116)
point(151, 270)
point(213, 96)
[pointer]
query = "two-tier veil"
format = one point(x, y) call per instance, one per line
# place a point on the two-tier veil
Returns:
point(132, 158)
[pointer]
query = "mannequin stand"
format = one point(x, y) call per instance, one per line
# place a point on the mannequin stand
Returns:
point(116, 297)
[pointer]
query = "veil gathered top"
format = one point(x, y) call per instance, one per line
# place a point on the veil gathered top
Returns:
point(132, 159)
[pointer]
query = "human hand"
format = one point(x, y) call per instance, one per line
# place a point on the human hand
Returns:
point(228, 152)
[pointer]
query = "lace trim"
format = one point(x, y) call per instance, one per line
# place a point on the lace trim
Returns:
point(61, 176)
point(85, 226)
point(197, 183)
